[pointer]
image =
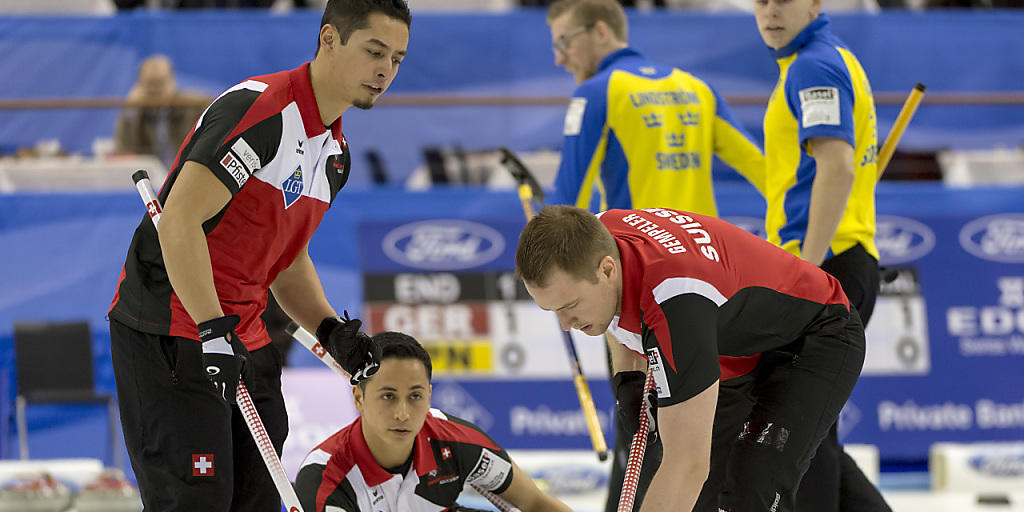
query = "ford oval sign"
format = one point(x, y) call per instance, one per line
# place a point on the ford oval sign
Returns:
point(565, 480)
point(443, 244)
point(1005, 465)
point(900, 239)
point(995, 237)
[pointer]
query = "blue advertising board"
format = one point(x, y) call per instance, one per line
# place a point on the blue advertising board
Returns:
point(945, 346)
point(418, 244)
point(957, 374)
point(526, 413)
point(946, 343)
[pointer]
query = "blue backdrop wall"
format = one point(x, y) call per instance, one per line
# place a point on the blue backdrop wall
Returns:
point(498, 54)
point(961, 253)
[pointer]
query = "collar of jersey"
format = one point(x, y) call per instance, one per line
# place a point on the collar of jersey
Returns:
point(610, 59)
point(805, 36)
point(632, 278)
point(302, 87)
point(423, 458)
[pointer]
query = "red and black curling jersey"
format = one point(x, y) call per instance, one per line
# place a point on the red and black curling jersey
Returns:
point(695, 288)
point(449, 453)
point(265, 141)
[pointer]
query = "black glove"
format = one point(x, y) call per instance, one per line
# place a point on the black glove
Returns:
point(630, 401)
point(353, 350)
point(224, 356)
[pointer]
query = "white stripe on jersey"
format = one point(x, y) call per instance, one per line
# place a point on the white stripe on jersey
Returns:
point(628, 339)
point(675, 286)
point(317, 456)
point(397, 494)
point(250, 85)
point(306, 168)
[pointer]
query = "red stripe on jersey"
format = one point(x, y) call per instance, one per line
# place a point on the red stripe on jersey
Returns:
point(447, 430)
point(733, 367)
point(117, 289)
point(284, 87)
point(339, 464)
point(269, 103)
point(655, 248)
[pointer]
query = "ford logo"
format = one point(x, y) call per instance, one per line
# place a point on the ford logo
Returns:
point(751, 225)
point(443, 244)
point(995, 237)
point(1010, 465)
point(571, 479)
point(900, 239)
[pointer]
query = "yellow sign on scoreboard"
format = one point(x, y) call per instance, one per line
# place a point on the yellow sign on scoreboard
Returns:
point(449, 357)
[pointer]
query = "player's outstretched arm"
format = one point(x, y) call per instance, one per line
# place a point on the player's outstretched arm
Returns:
point(686, 438)
point(524, 495)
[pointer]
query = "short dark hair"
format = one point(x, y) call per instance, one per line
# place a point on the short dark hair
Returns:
point(397, 345)
point(347, 16)
point(564, 237)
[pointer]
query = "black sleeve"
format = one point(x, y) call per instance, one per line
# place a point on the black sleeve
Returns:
point(233, 160)
point(307, 485)
point(488, 469)
point(693, 330)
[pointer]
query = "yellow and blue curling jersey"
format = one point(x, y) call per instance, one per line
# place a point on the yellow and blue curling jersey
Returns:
point(822, 92)
point(640, 135)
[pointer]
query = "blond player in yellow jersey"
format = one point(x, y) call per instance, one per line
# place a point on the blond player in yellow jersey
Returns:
point(821, 148)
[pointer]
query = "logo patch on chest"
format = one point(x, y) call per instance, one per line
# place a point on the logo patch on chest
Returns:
point(292, 187)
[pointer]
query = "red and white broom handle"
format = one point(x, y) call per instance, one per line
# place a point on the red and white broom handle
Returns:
point(636, 454)
point(245, 403)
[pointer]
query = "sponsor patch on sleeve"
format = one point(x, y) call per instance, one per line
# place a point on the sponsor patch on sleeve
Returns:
point(820, 105)
point(658, 369)
point(248, 156)
point(490, 471)
point(235, 168)
point(574, 116)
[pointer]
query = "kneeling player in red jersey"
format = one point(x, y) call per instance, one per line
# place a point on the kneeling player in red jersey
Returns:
point(402, 456)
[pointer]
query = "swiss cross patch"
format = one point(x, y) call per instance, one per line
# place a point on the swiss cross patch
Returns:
point(446, 452)
point(202, 464)
point(319, 350)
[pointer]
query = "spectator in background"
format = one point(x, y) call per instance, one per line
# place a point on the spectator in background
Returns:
point(205, 4)
point(159, 115)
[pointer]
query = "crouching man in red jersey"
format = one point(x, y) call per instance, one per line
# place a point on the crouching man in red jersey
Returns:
point(684, 289)
point(402, 456)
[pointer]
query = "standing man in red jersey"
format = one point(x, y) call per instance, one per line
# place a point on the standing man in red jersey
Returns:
point(247, 190)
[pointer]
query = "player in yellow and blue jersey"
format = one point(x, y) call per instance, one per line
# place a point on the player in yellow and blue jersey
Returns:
point(638, 134)
point(821, 147)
